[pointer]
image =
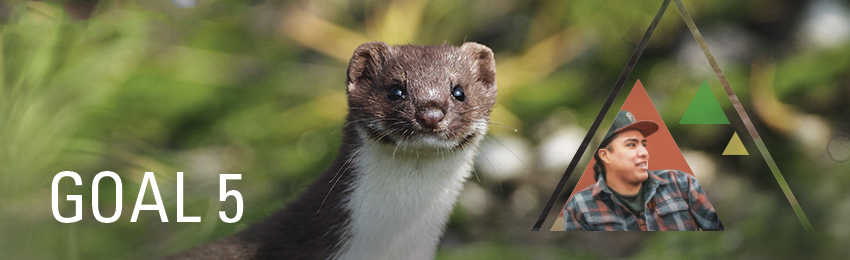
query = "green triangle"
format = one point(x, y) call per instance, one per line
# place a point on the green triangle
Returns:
point(704, 109)
point(735, 147)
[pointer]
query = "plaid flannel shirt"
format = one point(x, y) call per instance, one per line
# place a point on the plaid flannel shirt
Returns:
point(675, 201)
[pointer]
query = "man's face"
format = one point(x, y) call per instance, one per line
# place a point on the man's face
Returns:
point(626, 157)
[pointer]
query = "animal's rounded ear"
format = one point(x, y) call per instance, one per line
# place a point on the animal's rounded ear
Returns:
point(366, 62)
point(484, 62)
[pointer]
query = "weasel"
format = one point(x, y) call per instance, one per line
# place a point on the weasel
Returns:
point(415, 117)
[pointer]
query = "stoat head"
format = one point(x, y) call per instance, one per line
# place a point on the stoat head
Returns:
point(421, 96)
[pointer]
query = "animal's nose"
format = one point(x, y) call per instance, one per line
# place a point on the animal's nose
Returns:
point(430, 117)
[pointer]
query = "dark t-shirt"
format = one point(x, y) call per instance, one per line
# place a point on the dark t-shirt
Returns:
point(634, 202)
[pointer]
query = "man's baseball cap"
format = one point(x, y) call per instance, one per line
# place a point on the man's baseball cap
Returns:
point(626, 121)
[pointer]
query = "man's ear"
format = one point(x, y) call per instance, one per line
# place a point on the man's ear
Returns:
point(367, 60)
point(603, 155)
point(485, 64)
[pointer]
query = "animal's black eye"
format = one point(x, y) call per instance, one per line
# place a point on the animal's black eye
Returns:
point(457, 92)
point(396, 93)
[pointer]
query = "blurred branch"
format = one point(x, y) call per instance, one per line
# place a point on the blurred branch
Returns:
point(777, 116)
point(45, 12)
point(320, 35)
point(811, 131)
point(540, 60)
point(328, 109)
point(401, 22)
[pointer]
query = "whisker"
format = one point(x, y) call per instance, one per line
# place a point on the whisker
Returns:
point(515, 155)
point(490, 123)
point(491, 166)
point(339, 174)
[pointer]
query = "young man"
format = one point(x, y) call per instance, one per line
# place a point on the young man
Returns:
point(627, 196)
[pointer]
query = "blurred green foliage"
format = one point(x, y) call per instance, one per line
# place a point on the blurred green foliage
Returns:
point(257, 89)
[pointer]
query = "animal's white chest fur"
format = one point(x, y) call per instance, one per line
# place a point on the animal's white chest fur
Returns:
point(400, 204)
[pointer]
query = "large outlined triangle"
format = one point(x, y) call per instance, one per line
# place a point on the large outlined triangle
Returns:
point(664, 154)
point(704, 109)
point(742, 114)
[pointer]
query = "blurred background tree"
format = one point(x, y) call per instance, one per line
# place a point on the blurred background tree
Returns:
point(257, 88)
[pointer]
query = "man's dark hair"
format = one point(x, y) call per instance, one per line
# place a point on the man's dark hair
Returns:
point(598, 167)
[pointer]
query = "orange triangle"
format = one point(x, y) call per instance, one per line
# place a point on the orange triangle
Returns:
point(661, 143)
point(664, 153)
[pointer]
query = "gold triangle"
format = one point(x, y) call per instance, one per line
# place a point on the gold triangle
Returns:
point(559, 224)
point(735, 147)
